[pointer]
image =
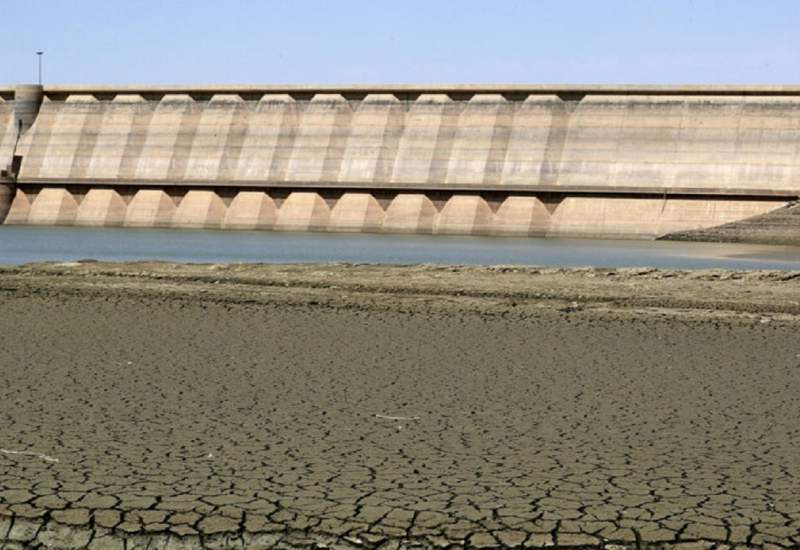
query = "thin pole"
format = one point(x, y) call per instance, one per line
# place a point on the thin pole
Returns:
point(39, 55)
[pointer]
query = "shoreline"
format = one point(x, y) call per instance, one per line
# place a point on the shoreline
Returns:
point(484, 289)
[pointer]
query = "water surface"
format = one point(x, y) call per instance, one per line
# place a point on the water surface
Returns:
point(22, 244)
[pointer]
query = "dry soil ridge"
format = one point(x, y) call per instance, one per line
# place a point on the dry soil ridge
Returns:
point(486, 289)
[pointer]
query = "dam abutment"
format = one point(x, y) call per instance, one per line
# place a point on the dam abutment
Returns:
point(27, 101)
point(601, 161)
point(6, 197)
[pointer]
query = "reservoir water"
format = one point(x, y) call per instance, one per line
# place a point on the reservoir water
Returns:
point(23, 244)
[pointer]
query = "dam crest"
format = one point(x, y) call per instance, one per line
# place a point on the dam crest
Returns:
point(598, 161)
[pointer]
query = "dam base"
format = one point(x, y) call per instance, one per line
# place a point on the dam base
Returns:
point(492, 213)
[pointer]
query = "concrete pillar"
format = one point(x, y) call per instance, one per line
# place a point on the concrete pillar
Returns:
point(102, 208)
point(303, 211)
point(410, 213)
point(465, 215)
point(250, 210)
point(200, 209)
point(149, 208)
point(356, 212)
point(53, 206)
point(521, 216)
point(6, 196)
point(20, 209)
point(27, 100)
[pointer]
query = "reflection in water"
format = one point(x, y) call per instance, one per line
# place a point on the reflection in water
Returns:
point(23, 244)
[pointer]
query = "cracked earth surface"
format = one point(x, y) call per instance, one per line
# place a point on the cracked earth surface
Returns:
point(161, 406)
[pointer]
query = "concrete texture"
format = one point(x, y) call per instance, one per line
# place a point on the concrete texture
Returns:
point(102, 208)
point(646, 217)
point(7, 133)
point(250, 210)
point(200, 209)
point(465, 215)
point(303, 211)
point(694, 144)
point(7, 193)
point(20, 207)
point(180, 406)
point(626, 160)
point(53, 206)
point(150, 208)
point(522, 216)
point(27, 99)
point(356, 212)
point(411, 213)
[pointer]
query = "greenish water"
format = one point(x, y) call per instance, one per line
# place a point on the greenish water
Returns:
point(22, 244)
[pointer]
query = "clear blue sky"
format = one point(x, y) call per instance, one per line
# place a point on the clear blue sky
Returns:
point(402, 41)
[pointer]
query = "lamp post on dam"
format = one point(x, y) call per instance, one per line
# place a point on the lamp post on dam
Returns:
point(39, 55)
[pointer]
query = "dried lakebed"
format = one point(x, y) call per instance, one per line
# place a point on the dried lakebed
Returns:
point(228, 406)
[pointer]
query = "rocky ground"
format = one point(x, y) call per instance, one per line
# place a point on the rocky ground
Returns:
point(213, 406)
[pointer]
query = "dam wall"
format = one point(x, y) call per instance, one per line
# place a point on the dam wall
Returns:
point(496, 160)
point(8, 137)
point(8, 131)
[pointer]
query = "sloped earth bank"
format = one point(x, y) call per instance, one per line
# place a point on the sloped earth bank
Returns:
point(778, 227)
point(187, 406)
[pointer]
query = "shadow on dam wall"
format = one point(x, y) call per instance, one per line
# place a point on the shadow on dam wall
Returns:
point(596, 161)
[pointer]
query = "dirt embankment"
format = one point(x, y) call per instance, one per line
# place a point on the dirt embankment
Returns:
point(779, 227)
point(489, 289)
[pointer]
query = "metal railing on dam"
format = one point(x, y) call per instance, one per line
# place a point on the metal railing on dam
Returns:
point(606, 161)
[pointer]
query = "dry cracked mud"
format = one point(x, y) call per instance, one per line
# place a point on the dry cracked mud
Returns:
point(212, 406)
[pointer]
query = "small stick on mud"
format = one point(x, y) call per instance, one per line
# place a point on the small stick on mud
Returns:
point(29, 453)
point(396, 417)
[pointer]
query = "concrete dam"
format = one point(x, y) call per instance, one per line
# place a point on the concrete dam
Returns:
point(596, 161)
